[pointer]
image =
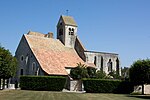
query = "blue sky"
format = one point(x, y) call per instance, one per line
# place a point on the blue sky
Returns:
point(117, 26)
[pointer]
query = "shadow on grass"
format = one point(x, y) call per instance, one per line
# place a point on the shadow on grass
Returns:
point(140, 96)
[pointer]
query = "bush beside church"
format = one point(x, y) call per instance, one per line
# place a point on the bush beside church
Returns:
point(107, 86)
point(44, 83)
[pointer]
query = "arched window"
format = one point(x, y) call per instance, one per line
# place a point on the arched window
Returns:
point(33, 66)
point(95, 60)
point(27, 57)
point(22, 58)
point(117, 66)
point(101, 63)
point(109, 64)
point(71, 31)
point(21, 72)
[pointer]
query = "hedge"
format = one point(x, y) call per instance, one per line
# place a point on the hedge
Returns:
point(44, 83)
point(107, 86)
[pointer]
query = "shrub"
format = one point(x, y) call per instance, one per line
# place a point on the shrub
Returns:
point(106, 86)
point(101, 75)
point(125, 87)
point(79, 72)
point(91, 72)
point(45, 83)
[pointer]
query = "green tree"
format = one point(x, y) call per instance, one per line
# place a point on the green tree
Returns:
point(139, 73)
point(79, 72)
point(114, 75)
point(8, 64)
point(101, 74)
point(125, 73)
point(91, 72)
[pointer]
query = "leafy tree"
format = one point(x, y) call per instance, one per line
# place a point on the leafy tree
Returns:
point(8, 64)
point(125, 73)
point(79, 72)
point(101, 74)
point(114, 75)
point(91, 72)
point(139, 73)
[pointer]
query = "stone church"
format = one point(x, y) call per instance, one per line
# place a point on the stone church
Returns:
point(41, 54)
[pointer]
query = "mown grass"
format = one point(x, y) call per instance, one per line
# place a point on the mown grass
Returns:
point(47, 95)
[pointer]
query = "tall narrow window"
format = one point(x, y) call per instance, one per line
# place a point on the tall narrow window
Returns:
point(95, 60)
point(21, 72)
point(22, 58)
point(109, 66)
point(101, 63)
point(33, 66)
point(117, 66)
point(26, 59)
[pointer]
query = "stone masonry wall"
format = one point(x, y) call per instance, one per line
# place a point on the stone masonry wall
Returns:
point(102, 60)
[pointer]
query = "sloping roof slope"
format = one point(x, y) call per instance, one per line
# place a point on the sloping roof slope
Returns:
point(68, 20)
point(52, 55)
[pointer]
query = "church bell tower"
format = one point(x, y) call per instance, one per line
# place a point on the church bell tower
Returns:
point(67, 31)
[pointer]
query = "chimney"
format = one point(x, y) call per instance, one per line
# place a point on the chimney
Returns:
point(50, 35)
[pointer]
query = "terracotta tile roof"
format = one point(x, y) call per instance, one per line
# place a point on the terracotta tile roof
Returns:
point(90, 65)
point(52, 55)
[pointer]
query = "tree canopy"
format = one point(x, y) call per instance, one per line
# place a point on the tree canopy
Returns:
point(83, 71)
point(139, 72)
point(8, 63)
point(79, 72)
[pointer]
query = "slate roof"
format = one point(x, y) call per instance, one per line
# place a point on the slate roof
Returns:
point(51, 54)
point(68, 20)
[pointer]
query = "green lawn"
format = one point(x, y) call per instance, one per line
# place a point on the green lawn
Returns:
point(46, 95)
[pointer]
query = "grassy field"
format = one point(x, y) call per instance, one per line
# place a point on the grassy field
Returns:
point(46, 95)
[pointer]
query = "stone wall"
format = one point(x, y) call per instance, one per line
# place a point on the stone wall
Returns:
point(26, 59)
point(147, 89)
point(101, 59)
point(74, 85)
point(139, 89)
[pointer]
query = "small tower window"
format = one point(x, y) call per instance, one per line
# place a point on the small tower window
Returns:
point(71, 31)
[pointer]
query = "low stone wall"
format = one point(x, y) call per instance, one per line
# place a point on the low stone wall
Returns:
point(74, 85)
point(147, 89)
point(139, 89)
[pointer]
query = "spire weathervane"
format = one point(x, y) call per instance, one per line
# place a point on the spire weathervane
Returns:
point(67, 12)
